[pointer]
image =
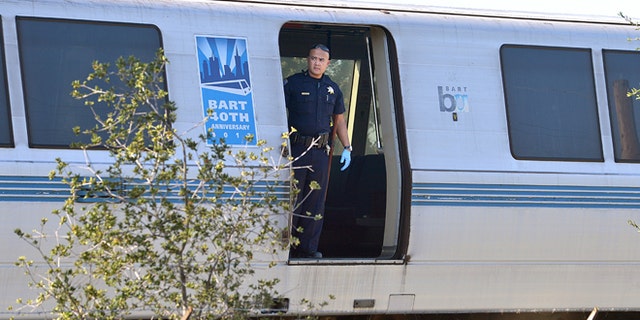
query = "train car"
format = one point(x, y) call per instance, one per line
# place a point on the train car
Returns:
point(495, 154)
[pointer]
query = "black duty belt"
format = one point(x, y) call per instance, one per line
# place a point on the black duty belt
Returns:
point(322, 140)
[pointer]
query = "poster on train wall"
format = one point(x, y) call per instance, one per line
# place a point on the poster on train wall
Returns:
point(225, 87)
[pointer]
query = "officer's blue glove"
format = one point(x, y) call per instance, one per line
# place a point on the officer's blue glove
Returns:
point(346, 159)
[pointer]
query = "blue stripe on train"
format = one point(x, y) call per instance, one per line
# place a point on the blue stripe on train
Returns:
point(572, 196)
point(42, 189)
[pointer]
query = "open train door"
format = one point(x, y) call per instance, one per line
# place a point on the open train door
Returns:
point(367, 205)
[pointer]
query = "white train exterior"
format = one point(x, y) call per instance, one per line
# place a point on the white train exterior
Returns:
point(493, 170)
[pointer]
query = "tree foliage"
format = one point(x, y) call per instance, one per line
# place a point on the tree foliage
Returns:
point(170, 226)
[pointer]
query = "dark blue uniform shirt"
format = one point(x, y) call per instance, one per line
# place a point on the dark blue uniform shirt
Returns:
point(311, 103)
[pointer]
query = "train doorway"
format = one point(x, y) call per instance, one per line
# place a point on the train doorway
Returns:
point(364, 211)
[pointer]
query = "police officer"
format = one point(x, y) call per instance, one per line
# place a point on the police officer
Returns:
point(313, 102)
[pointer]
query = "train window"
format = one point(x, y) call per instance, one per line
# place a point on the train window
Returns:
point(55, 52)
point(551, 103)
point(621, 75)
point(6, 138)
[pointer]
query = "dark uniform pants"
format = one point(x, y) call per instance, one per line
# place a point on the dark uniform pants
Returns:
point(318, 159)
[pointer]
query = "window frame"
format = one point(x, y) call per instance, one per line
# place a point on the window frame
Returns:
point(39, 138)
point(616, 137)
point(4, 85)
point(593, 154)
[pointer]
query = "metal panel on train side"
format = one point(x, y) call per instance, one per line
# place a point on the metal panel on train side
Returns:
point(527, 235)
point(458, 58)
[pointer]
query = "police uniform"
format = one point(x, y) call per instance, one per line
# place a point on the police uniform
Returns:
point(311, 104)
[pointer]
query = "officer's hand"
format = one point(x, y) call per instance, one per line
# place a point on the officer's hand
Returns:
point(346, 159)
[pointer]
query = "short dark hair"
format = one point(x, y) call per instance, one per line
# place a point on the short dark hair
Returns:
point(321, 47)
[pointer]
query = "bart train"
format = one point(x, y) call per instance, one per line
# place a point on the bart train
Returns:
point(495, 163)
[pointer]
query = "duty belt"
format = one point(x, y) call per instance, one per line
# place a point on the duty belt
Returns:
point(322, 140)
